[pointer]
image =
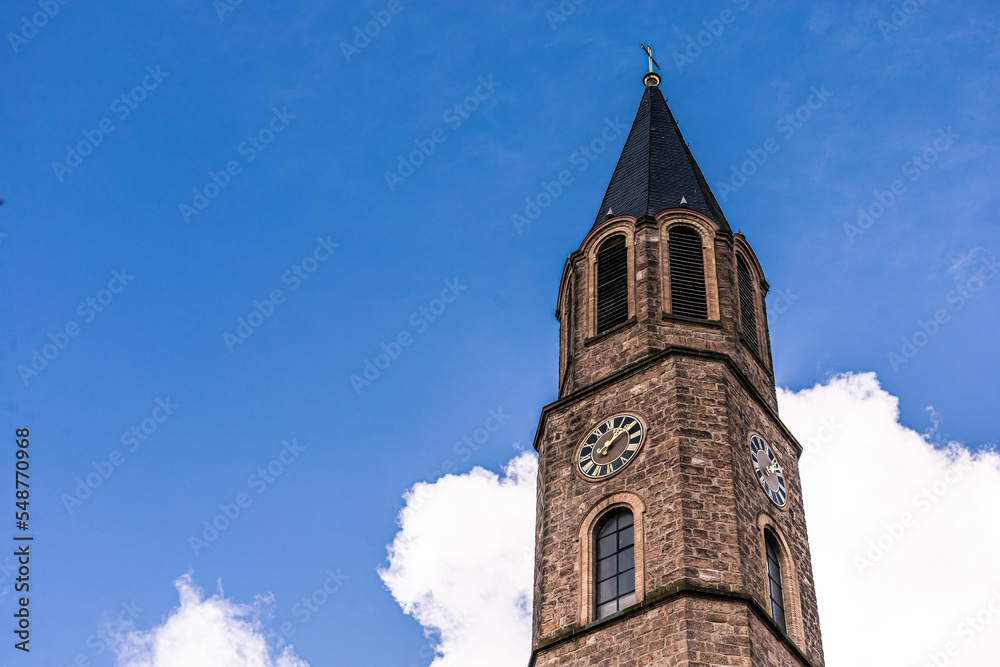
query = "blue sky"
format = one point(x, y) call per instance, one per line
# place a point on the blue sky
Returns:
point(307, 130)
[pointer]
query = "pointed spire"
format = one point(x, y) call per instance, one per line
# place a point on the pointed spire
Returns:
point(656, 170)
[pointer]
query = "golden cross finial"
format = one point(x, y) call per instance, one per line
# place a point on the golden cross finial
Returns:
point(648, 48)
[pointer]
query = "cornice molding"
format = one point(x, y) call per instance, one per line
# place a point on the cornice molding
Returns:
point(654, 358)
point(675, 591)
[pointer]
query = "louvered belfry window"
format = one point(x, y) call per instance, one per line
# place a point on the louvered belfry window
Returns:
point(687, 273)
point(569, 320)
point(775, 587)
point(612, 283)
point(748, 317)
point(615, 560)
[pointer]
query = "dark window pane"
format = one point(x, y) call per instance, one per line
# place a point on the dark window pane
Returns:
point(615, 565)
point(607, 567)
point(779, 617)
point(609, 526)
point(606, 545)
point(625, 538)
point(607, 590)
point(607, 609)
point(626, 559)
point(774, 581)
point(626, 582)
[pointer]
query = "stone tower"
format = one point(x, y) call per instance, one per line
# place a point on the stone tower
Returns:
point(670, 527)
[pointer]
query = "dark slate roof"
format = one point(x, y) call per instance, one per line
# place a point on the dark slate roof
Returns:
point(656, 169)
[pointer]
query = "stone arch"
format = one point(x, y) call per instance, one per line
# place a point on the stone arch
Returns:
point(625, 499)
point(789, 577)
point(706, 230)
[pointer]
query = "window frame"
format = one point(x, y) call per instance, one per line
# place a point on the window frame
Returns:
point(706, 230)
point(619, 278)
point(588, 548)
point(760, 289)
point(621, 601)
point(672, 232)
point(740, 257)
point(790, 588)
point(775, 581)
point(623, 228)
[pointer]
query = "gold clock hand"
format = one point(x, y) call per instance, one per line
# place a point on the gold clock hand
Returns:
point(607, 445)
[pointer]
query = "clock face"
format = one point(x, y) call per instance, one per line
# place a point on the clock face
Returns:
point(769, 472)
point(611, 446)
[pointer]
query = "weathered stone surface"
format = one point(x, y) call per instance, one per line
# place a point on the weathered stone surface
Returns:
point(702, 393)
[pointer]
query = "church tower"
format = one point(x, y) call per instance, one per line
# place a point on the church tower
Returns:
point(670, 528)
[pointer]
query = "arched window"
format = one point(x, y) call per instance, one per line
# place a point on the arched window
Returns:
point(615, 572)
point(777, 594)
point(748, 313)
point(612, 283)
point(687, 273)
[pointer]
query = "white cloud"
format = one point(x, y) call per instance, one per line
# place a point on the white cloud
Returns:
point(462, 564)
point(212, 632)
point(921, 599)
point(905, 536)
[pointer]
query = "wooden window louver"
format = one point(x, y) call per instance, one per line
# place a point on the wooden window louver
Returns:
point(612, 284)
point(687, 274)
point(748, 316)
